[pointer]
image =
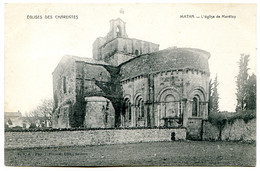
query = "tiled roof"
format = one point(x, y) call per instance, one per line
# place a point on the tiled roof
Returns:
point(168, 59)
point(13, 114)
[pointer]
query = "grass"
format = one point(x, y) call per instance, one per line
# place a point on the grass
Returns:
point(177, 153)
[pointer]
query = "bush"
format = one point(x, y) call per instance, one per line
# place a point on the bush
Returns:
point(218, 118)
point(246, 115)
point(33, 125)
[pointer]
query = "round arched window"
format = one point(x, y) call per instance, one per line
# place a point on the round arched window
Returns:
point(127, 110)
point(140, 109)
point(195, 106)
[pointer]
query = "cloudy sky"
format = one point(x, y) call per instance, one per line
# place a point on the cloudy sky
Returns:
point(33, 47)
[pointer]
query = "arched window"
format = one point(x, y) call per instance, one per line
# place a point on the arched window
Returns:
point(118, 31)
point(127, 110)
point(140, 109)
point(136, 52)
point(195, 106)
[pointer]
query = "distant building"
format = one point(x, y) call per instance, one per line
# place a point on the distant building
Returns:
point(13, 119)
point(131, 83)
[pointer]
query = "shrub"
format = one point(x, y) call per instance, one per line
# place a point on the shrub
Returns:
point(246, 115)
point(218, 118)
point(33, 125)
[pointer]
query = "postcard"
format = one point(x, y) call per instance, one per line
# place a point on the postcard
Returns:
point(130, 84)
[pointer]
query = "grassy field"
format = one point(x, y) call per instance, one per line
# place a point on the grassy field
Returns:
point(178, 153)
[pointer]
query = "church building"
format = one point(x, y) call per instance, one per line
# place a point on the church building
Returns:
point(131, 83)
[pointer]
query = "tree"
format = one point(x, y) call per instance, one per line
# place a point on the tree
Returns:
point(9, 122)
point(218, 119)
point(210, 96)
point(251, 93)
point(215, 95)
point(242, 82)
point(42, 113)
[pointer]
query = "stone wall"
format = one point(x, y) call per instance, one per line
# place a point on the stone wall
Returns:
point(127, 46)
point(64, 82)
point(237, 130)
point(100, 113)
point(64, 91)
point(89, 137)
point(180, 84)
point(194, 128)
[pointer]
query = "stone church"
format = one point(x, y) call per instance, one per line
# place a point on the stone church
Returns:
point(131, 83)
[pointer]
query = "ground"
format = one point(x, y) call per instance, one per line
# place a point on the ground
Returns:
point(176, 153)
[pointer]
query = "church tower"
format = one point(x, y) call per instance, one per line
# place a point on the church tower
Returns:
point(117, 29)
point(116, 48)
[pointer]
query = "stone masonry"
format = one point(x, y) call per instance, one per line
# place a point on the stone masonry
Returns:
point(136, 84)
point(31, 139)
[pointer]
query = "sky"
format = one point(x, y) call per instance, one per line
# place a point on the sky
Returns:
point(34, 47)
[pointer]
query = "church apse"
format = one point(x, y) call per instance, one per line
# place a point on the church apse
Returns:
point(131, 83)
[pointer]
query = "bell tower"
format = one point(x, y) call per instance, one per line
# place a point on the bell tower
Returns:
point(117, 29)
point(116, 48)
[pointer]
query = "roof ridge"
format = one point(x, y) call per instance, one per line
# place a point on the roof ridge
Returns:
point(88, 60)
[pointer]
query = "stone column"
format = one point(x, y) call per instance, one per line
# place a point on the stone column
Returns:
point(132, 116)
point(146, 106)
point(158, 115)
point(162, 113)
point(206, 111)
point(186, 113)
point(122, 124)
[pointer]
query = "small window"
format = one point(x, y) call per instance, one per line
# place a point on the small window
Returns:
point(64, 85)
point(136, 52)
point(141, 109)
point(195, 107)
point(127, 109)
point(129, 112)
